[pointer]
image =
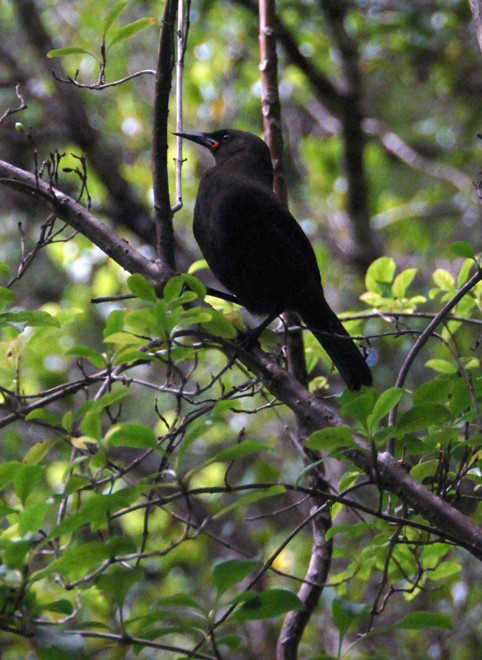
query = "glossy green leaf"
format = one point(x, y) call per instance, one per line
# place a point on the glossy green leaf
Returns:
point(141, 288)
point(462, 249)
point(69, 50)
point(442, 366)
point(420, 417)
point(424, 470)
point(402, 281)
point(8, 472)
point(229, 573)
point(444, 280)
point(131, 30)
point(6, 296)
point(38, 452)
point(385, 402)
point(380, 273)
point(87, 353)
point(118, 581)
point(33, 318)
point(267, 605)
point(26, 479)
point(62, 606)
point(114, 13)
point(419, 620)
point(331, 439)
point(137, 436)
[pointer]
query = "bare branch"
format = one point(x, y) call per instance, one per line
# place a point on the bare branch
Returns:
point(476, 9)
point(100, 86)
point(162, 204)
point(22, 106)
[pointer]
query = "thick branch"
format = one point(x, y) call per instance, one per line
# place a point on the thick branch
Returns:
point(162, 202)
point(476, 9)
point(271, 111)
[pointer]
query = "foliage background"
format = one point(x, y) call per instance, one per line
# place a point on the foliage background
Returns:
point(420, 77)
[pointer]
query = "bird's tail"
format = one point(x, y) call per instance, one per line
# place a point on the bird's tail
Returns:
point(329, 331)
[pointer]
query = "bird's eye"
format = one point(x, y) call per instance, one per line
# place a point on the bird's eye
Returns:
point(226, 137)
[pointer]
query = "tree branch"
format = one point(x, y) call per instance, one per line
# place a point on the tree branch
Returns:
point(162, 203)
point(476, 9)
point(80, 219)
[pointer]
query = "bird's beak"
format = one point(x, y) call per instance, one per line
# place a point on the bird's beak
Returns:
point(204, 139)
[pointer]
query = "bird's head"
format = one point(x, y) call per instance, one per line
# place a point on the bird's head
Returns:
point(239, 149)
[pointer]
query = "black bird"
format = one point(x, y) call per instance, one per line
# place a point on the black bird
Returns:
point(258, 251)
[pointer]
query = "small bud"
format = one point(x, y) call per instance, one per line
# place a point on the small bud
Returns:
point(19, 127)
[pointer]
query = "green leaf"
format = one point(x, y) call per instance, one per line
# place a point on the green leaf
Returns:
point(359, 406)
point(6, 296)
point(15, 553)
point(136, 436)
point(444, 570)
point(179, 600)
point(119, 581)
point(36, 453)
point(356, 529)
point(8, 472)
point(200, 264)
point(141, 288)
point(219, 325)
point(380, 273)
point(437, 390)
point(464, 272)
point(35, 318)
point(62, 606)
point(114, 13)
point(385, 402)
point(424, 470)
point(444, 280)
point(174, 288)
point(229, 573)
point(94, 511)
point(402, 282)
point(130, 30)
point(32, 517)
point(330, 439)
point(420, 417)
point(95, 358)
point(267, 605)
point(442, 366)
point(421, 620)
point(26, 480)
point(44, 415)
point(91, 424)
point(69, 50)
point(462, 249)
